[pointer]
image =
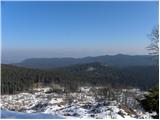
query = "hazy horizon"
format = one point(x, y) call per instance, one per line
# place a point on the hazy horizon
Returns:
point(11, 60)
point(75, 29)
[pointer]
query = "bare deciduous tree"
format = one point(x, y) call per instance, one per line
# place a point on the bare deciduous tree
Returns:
point(154, 46)
point(154, 37)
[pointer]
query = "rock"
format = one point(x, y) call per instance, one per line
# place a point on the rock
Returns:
point(95, 110)
point(48, 91)
point(75, 115)
point(128, 110)
point(121, 113)
point(87, 106)
point(92, 115)
point(39, 107)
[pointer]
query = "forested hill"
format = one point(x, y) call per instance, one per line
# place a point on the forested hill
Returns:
point(15, 79)
point(114, 60)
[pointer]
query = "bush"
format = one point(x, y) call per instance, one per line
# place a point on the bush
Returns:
point(151, 101)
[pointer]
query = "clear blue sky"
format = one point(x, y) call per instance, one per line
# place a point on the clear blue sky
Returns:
point(75, 29)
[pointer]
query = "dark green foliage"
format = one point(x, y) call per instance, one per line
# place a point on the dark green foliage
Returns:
point(151, 101)
point(16, 79)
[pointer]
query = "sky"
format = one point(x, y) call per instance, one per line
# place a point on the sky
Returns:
point(75, 29)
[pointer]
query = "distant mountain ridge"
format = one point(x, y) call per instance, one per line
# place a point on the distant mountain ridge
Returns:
point(119, 60)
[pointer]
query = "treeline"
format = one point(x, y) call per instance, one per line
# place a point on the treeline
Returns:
point(143, 77)
point(15, 79)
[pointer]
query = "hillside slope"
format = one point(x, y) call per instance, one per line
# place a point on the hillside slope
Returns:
point(115, 60)
point(16, 79)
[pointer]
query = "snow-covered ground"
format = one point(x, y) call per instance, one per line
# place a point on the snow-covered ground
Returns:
point(86, 103)
point(5, 114)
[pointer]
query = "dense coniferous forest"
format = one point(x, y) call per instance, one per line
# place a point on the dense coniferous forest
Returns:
point(16, 79)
